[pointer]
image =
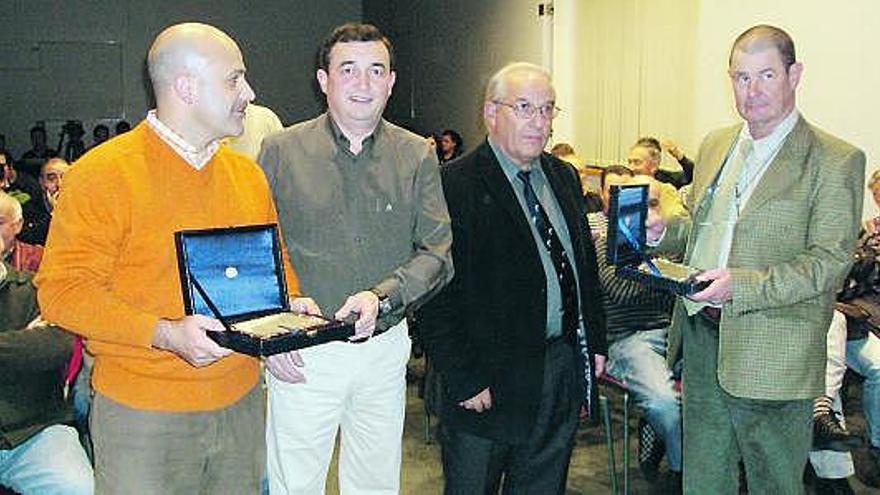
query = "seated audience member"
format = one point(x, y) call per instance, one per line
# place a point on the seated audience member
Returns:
point(644, 159)
point(830, 458)
point(259, 122)
point(853, 343)
point(450, 146)
point(122, 127)
point(566, 153)
point(26, 190)
point(38, 214)
point(39, 452)
point(19, 185)
point(74, 147)
point(23, 257)
point(651, 162)
point(638, 318)
point(100, 134)
point(686, 176)
point(51, 176)
point(40, 151)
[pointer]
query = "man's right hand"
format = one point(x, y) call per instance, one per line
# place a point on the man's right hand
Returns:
point(480, 402)
point(186, 337)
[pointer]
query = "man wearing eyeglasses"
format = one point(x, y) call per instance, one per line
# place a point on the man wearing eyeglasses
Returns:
point(775, 210)
point(514, 334)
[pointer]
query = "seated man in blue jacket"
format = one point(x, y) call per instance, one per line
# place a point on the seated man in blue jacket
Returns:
point(39, 451)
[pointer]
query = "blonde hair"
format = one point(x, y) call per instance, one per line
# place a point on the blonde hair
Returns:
point(874, 181)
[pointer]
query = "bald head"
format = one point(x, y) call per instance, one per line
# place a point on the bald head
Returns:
point(184, 49)
point(198, 77)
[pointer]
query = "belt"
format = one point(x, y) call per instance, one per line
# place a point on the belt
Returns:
point(711, 313)
point(378, 332)
point(367, 339)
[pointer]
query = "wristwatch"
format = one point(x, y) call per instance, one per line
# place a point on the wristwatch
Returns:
point(384, 301)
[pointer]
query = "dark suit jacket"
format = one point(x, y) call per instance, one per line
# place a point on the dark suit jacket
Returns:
point(487, 328)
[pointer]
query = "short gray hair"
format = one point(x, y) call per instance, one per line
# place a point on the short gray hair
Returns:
point(762, 37)
point(496, 87)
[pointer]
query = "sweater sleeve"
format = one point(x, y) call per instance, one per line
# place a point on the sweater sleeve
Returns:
point(75, 281)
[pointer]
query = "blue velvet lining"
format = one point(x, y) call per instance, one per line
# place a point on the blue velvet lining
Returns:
point(238, 269)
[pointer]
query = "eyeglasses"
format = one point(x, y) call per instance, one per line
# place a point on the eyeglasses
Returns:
point(525, 110)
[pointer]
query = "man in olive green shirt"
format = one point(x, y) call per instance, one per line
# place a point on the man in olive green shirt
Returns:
point(365, 222)
point(39, 452)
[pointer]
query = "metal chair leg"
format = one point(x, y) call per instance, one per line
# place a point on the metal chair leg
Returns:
point(428, 438)
point(626, 442)
point(609, 441)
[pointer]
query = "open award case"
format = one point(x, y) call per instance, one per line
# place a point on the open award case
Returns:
point(627, 212)
point(236, 275)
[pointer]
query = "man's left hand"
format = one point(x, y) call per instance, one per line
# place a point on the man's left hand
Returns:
point(719, 291)
point(366, 305)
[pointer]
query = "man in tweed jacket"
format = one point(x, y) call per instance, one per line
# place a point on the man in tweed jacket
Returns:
point(754, 340)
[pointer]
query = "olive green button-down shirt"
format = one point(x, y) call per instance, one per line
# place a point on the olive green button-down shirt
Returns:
point(377, 219)
point(31, 364)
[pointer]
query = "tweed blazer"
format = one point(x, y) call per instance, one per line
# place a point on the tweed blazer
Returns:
point(792, 247)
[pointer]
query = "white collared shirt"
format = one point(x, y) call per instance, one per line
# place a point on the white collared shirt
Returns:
point(763, 152)
point(190, 154)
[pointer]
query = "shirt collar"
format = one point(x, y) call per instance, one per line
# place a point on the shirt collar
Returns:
point(3, 273)
point(511, 169)
point(190, 154)
point(342, 141)
point(768, 145)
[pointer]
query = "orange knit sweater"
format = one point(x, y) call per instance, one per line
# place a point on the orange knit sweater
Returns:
point(109, 271)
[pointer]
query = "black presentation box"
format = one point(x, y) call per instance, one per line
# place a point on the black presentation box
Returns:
point(627, 212)
point(236, 275)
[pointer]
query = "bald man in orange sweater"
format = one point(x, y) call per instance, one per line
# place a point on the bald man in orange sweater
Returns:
point(173, 411)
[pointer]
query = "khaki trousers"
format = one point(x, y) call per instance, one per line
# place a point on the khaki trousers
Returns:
point(148, 452)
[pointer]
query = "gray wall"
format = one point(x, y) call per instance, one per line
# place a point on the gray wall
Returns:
point(447, 51)
point(82, 59)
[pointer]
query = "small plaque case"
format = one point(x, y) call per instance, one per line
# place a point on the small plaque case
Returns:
point(627, 212)
point(236, 275)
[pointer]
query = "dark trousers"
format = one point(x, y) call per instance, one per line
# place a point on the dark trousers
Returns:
point(772, 438)
point(474, 465)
